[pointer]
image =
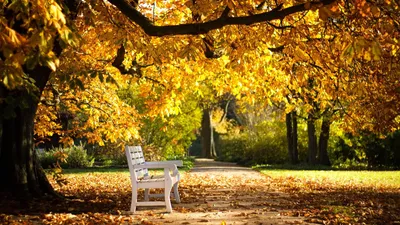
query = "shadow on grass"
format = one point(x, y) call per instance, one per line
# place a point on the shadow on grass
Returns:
point(112, 169)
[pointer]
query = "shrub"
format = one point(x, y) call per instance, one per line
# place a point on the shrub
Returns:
point(265, 143)
point(233, 148)
point(47, 158)
point(367, 150)
point(77, 157)
point(116, 159)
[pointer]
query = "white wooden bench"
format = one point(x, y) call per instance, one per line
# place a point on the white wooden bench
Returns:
point(140, 178)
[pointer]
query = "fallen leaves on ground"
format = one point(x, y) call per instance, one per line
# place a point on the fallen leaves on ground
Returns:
point(104, 198)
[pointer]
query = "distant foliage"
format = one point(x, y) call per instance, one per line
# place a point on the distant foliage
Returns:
point(265, 143)
point(165, 136)
point(368, 150)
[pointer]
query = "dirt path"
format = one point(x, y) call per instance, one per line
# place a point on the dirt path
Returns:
point(224, 193)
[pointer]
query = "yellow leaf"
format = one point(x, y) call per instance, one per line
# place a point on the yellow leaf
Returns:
point(367, 56)
point(52, 65)
point(348, 53)
point(299, 53)
point(376, 51)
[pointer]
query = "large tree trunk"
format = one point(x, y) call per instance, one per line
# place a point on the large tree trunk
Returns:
point(207, 135)
point(323, 142)
point(20, 170)
point(291, 134)
point(312, 140)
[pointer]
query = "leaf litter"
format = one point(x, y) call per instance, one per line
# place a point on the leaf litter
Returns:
point(211, 197)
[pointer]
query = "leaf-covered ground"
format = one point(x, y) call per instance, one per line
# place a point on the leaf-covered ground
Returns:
point(215, 193)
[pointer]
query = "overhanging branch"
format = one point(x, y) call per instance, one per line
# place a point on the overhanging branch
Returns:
point(135, 70)
point(202, 28)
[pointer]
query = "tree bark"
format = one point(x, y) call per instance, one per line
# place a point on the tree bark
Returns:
point(289, 135)
point(20, 170)
point(312, 140)
point(323, 142)
point(292, 137)
point(295, 139)
point(150, 29)
point(207, 135)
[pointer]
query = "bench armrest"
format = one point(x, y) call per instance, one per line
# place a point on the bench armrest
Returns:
point(178, 163)
point(156, 165)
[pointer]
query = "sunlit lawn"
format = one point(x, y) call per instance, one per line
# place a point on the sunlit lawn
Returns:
point(389, 179)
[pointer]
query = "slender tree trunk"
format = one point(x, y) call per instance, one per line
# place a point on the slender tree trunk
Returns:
point(295, 139)
point(207, 135)
point(323, 142)
point(292, 137)
point(312, 140)
point(289, 135)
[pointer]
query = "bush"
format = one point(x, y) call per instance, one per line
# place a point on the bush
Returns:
point(265, 143)
point(233, 148)
point(114, 160)
point(77, 157)
point(47, 158)
point(367, 150)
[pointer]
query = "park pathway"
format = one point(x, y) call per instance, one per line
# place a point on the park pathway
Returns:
point(225, 193)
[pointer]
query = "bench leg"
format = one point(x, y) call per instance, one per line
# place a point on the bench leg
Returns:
point(146, 194)
point(134, 200)
point(176, 193)
point(167, 197)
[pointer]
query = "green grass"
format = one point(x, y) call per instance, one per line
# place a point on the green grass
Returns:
point(187, 165)
point(358, 178)
point(96, 170)
point(109, 170)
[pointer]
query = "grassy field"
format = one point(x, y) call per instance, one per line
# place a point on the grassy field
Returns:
point(387, 179)
point(390, 179)
point(187, 165)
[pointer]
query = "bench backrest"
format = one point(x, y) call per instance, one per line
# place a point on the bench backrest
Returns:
point(135, 156)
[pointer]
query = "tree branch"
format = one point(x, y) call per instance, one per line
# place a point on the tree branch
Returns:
point(136, 68)
point(278, 49)
point(279, 27)
point(202, 28)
